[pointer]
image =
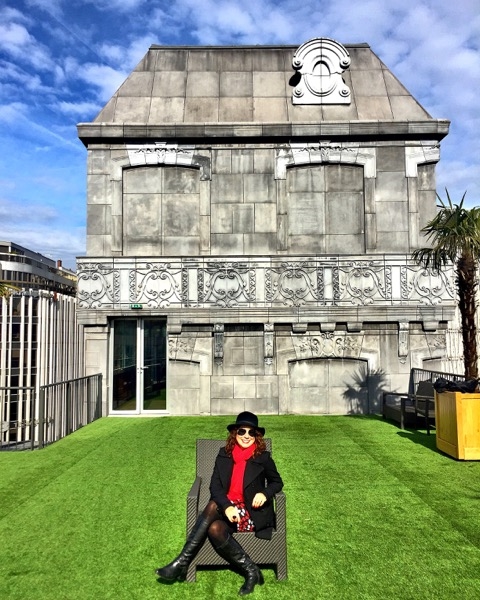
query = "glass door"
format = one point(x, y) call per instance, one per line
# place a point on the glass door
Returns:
point(154, 384)
point(139, 365)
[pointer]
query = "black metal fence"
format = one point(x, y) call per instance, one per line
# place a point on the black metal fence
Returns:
point(29, 420)
point(417, 375)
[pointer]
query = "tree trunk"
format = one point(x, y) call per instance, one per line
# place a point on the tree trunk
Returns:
point(467, 283)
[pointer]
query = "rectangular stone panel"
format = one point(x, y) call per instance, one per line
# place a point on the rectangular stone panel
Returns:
point(221, 160)
point(180, 215)
point(343, 178)
point(345, 244)
point(142, 180)
point(391, 158)
point(243, 218)
point(269, 84)
point(99, 217)
point(392, 216)
point(242, 160)
point(344, 213)
point(235, 109)
point(166, 110)
point(268, 110)
point(133, 109)
point(306, 244)
point(201, 110)
point(221, 386)
point(259, 187)
point(142, 215)
point(306, 214)
point(203, 84)
point(306, 179)
point(178, 180)
point(368, 83)
point(260, 243)
point(171, 60)
point(244, 386)
point(227, 188)
point(224, 243)
point(236, 84)
point(265, 218)
point(222, 221)
point(390, 187)
point(181, 245)
point(374, 108)
point(137, 84)
point(168, 84)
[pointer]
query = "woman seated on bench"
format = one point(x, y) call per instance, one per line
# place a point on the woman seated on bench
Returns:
point(239, 501)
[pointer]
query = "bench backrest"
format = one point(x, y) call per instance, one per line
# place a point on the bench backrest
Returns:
point(425, 388)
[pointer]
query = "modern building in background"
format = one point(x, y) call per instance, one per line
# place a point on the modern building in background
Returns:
point(27, 270)
point(251, 217)
point(39, 336)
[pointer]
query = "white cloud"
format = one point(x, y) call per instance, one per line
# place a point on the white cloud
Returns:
point(105, 78)
point(78, 108)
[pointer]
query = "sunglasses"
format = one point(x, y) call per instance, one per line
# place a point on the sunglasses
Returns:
point(242, 431)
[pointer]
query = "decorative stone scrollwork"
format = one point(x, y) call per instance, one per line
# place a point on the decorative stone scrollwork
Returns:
point(268, 337)
point(294, 284)
point(320, 63)
point(227, 284)
point(161, 153)
point(403, 329)
point(218, 342)
point(324, 152)
point(158, 286)
point(426, 285)
point(99, 285)
point(325, 345)
point(363, 283)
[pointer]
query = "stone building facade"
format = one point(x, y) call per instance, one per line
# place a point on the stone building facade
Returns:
point(251, 216)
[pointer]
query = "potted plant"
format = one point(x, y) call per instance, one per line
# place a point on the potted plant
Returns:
point(454, 234)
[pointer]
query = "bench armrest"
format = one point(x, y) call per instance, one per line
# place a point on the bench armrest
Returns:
point(281, 511)
point(192, 503)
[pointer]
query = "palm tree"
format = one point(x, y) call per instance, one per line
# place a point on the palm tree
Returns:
point(6, 289)
point(455, 237)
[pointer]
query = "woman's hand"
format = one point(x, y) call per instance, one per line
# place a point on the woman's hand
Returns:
point(232, 515)
point(259, 500)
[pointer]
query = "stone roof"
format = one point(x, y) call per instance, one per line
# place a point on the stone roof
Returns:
point(252, 86)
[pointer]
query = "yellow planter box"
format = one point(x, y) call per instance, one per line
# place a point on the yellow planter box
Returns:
point(457, 419)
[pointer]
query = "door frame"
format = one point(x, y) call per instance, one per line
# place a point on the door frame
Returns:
point(139, 366)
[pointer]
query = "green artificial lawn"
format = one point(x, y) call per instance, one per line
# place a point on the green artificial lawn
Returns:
point(373, 513)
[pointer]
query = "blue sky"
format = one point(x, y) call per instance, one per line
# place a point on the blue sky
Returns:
point(61, 61)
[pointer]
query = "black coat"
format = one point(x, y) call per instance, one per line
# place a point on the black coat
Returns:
point(261, 475)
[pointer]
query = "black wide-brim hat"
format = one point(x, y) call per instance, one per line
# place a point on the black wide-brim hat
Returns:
point(246, 418)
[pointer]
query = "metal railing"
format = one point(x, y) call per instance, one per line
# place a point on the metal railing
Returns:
point(417, 375)
point(29, 421)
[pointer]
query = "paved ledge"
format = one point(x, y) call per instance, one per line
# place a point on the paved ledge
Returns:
point(91, 133)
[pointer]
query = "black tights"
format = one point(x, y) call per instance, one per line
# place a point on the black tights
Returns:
point(219, 527)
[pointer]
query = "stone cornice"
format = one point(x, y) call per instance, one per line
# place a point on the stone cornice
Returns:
point(436, 129)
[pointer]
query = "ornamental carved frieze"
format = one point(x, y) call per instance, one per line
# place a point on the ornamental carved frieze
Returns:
point(325, 152)
point(163, 153)
point(362, 283)
point(319, 64)
point(98, 285)
point(180, 348)
point(294, 284)
point(158, 285)
point(311, 281)
point(427, 286)
point(327, 345)
point(227, 284)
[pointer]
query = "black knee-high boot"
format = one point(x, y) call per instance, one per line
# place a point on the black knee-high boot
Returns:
point(236, 556)
point(177, 569)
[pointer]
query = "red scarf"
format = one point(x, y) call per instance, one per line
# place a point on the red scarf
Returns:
point(240, 456)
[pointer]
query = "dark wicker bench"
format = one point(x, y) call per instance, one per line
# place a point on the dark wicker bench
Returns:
point(406, 408)
point(264, 552)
